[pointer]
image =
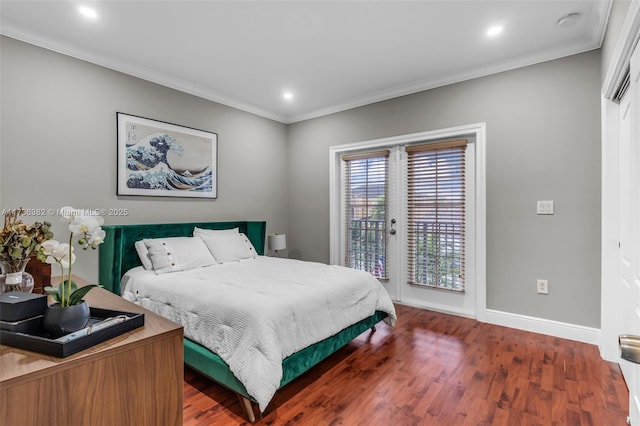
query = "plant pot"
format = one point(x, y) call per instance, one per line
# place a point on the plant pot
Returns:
point(14, 277)
point(59, 321)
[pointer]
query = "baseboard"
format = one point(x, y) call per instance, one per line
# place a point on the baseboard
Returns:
point(435, 307)
point(564, 330)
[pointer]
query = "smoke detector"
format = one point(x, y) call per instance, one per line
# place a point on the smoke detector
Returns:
point(568, 20)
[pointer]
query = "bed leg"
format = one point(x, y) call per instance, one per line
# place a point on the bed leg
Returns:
point(247, 408)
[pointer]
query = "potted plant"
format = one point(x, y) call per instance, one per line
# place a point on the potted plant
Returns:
point(18, 243)
point(70, 312)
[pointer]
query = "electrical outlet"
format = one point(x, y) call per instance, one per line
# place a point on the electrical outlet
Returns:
point(543, 287)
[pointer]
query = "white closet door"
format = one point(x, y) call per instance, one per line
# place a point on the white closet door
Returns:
point(629, 228)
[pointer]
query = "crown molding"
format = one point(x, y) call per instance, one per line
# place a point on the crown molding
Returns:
point(153, 76)
point(144, 73)
point(441, 81)
point(630, 36)
point(603, 11)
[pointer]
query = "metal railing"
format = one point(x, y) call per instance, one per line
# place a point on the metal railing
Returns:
point(367, 247)
point(436, 257)
point(436, 252)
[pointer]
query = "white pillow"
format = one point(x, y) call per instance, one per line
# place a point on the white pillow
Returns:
point(230, 247)
point(143, 254)
point(177, 254)
point(200, 232)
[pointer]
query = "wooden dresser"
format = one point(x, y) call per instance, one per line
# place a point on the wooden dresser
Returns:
point(133, 379)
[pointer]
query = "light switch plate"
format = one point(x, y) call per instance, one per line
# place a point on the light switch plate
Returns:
point(545, 207)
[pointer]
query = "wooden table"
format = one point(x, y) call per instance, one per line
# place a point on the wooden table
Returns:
point(133, 379)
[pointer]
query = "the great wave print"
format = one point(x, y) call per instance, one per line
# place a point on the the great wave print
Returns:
point(158, 160)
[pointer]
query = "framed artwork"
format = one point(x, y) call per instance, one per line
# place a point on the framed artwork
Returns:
point(165, 160)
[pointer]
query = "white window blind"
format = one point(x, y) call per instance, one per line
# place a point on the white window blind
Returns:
point(365, 189)
point(436, 214)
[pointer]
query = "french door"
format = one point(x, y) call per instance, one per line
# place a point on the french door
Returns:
point(404, 209)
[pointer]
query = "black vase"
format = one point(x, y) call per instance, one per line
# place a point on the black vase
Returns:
point(59, 321)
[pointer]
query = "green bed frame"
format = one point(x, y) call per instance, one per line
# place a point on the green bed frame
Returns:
point(118, 255)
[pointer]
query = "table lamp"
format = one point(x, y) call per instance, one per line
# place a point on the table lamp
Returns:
point(276, 242)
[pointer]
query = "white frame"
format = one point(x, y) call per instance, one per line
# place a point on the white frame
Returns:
point(479, 225)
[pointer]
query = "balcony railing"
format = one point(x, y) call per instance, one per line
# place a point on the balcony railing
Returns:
point(368, 246)
point(436, 253)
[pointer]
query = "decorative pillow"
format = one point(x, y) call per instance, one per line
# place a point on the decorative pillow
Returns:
point(143, 254)
point(177, 254)
point(230, 247)
point(200, 232)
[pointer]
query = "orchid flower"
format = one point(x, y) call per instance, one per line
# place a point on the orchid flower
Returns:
point(58, 253)
point(91, 235)
point(85, 224)
point(66, 213)
point(96, 237)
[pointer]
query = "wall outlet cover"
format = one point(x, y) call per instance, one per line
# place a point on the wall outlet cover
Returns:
point(543, 287)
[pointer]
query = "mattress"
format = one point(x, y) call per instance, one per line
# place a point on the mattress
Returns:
point(255, 312)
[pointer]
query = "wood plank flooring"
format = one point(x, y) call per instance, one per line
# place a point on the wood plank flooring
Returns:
point(436, 369)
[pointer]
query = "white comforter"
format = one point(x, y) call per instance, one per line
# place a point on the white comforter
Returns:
point(254, 313)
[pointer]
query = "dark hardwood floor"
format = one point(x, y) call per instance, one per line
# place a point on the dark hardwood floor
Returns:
point(436, 369)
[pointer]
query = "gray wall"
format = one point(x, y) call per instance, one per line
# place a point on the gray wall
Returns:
point(58, 140)
point(543, 142)
point(58, 144)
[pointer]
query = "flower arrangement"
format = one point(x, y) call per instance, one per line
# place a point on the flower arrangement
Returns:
point(91, 234)
point(19, 241)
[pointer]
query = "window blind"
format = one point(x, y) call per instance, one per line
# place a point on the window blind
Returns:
point(436, 214)
point(366, 195)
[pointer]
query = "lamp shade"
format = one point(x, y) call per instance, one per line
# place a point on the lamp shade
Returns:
point(277, 241)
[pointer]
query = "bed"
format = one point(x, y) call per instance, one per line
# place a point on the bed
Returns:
point(119, 258)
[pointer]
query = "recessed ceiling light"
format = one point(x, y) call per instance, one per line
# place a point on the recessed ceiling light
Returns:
point(88, 12)
point(494, 31)
point(287, 95)
point(568, 20)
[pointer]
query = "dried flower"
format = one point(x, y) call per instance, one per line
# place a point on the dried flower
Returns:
point(19, 240)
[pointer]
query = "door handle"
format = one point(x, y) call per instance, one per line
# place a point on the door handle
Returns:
point(630, 347)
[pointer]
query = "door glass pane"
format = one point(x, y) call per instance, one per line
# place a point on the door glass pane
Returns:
point(366, 209)
point(436, 217)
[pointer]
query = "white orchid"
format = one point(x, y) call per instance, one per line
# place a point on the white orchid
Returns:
point(95, 237)
point(89, 227)
point(91, 235)
point(66, 213)
point(57, 252)
point(85, 224)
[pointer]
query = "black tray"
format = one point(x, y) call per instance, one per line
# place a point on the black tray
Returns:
point(40, 341)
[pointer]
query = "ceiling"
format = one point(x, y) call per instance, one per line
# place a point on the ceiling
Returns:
point(330, 55)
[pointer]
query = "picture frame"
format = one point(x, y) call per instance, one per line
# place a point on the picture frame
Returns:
point(161, 159)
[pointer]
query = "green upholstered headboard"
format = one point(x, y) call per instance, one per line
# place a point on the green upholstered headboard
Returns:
point(118, 254)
